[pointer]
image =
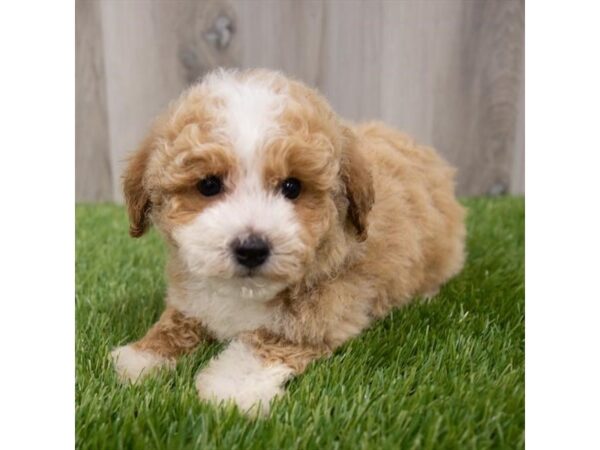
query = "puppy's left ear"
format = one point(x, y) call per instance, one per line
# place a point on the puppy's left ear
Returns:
point(357, 178)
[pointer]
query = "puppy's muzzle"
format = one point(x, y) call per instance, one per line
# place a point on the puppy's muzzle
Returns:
point(252, 251)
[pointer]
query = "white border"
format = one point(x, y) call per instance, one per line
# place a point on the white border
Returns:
point(37, 224)
point(563, 224)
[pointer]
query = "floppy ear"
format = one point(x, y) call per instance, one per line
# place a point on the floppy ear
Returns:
point(137, 197)
point(357, 178)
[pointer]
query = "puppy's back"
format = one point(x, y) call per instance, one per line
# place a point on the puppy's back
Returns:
point(416, 227)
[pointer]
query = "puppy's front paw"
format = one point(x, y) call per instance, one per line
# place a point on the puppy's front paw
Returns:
point(239, 376)
point(132, 364)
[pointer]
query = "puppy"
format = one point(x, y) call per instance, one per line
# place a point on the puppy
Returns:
point(289, 230)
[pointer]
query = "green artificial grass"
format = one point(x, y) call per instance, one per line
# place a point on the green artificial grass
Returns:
point(444, 374)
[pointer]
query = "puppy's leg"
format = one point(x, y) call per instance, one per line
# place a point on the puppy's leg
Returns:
point(252, 370)
point(173, 335)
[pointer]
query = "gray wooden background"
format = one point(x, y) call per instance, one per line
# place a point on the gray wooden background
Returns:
point(450, 72)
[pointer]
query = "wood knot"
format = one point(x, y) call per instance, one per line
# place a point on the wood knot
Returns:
point(221, 32)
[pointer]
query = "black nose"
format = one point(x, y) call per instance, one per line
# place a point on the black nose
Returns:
point(252, 251)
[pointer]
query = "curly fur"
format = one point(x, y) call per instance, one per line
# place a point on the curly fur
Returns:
point(376, 224)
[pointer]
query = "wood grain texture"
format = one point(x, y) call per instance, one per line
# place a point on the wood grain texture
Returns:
point(477, 100)
point(93, 180)
point(285, 35)
point(518, 171)
point(449, 72)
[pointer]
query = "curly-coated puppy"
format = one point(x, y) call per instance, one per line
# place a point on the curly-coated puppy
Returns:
point(289, 231)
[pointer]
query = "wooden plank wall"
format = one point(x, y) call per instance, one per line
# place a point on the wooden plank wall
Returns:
point(450, 72)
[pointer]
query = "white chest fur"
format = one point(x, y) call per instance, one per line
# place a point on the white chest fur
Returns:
point(227, 308)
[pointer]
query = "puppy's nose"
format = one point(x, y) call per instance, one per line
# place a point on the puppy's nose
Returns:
point(252, 251)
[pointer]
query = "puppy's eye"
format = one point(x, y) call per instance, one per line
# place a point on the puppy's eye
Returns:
point(210, 186)
point(291, 188)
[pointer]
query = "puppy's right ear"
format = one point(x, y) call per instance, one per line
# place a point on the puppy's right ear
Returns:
point(137, 197)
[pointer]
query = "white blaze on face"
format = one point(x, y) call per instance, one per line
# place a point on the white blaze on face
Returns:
point(248, 119)
point(250, 113)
